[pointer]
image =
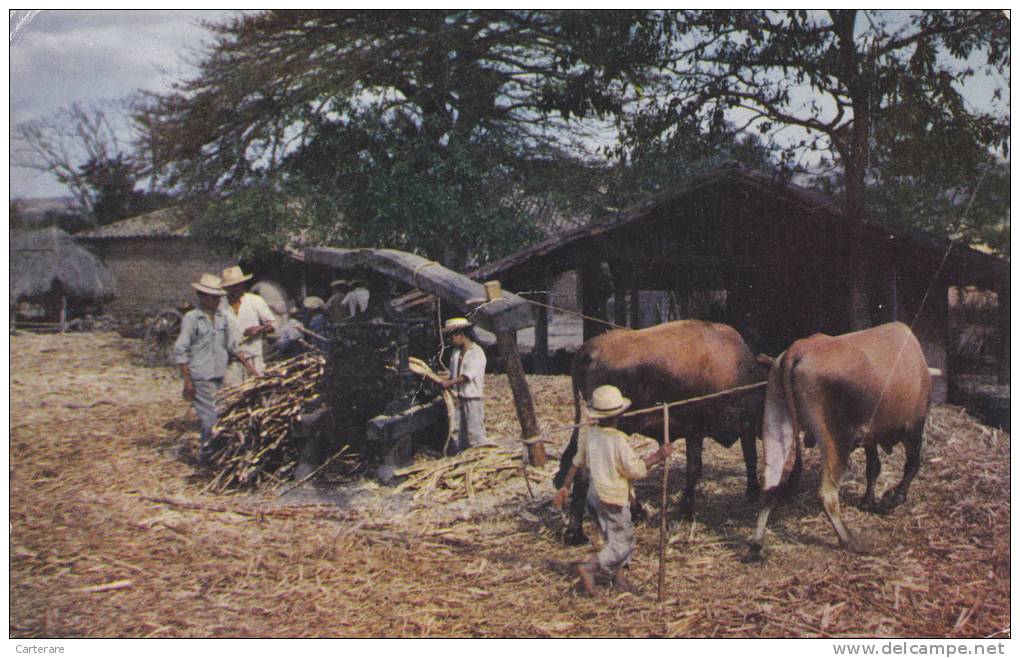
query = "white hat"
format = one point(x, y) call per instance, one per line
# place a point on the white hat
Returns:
point(210, 284)
point(456, 324)
point(607, 401)
point(233, 276)
point(312, 303)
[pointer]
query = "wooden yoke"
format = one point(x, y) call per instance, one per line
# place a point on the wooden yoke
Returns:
point(501, 313)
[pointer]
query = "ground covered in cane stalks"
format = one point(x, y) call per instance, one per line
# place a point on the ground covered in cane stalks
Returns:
point(113, 533)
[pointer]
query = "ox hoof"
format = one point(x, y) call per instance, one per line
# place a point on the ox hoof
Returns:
point(686, 506)
point(868, 504)
point(754, 554)
point(575, 538)
point(858, 546)
point(891, 500)
point(753, 493)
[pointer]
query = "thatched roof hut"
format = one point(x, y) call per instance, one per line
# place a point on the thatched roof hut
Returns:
point(50, 261)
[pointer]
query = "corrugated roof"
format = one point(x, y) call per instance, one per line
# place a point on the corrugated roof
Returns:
point(163, 223)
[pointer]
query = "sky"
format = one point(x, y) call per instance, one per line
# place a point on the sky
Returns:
point(58, 57)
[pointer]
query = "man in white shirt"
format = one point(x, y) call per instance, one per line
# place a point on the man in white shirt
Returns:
point(467, 378)
point(249, 318)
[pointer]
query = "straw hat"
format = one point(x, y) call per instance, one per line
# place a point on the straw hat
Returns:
point(312, 303)
point(233, 276)
point(607, 401)
point(340, 283)
point(456, 324)
point(210, 284)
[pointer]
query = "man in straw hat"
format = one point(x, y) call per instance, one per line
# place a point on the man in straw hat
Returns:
point(612, 467)
point(317, 323)
point(467, 378)
point(202, 350)
point(249, 318)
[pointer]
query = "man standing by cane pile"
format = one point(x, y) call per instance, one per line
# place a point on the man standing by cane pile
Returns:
point(612, 467)
point(249, 319)
point(202, 350)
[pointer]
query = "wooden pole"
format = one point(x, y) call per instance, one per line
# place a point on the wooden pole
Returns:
point(1004, 335)
point(665, 502)
point(635, 308)
point(506, 343)
point(540, 351)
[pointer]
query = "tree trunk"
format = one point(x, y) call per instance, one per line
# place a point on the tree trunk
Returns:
point(855, 155)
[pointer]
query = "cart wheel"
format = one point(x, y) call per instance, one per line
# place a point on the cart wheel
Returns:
point(160, 336)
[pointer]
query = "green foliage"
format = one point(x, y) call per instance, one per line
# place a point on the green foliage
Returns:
point(832, 77)
point(413, 130)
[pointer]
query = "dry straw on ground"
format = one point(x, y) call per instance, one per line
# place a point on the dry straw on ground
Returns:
point(112, 535)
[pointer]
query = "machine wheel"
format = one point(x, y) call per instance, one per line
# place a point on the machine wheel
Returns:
point(160, 336)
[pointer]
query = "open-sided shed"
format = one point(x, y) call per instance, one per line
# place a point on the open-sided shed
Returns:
point(775, 251)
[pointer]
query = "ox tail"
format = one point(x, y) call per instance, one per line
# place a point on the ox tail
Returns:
point(788, 364)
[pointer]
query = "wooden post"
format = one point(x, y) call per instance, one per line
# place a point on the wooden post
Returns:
point(635, 308)
point(593, 300)
point(665, 504)
point(1004, 336)
point(619, 302)
point(540, 351)
point(506, 343)
point(894, 292)
point(63, 311)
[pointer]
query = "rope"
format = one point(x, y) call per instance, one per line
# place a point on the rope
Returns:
point(569, 312)
point(541, 438)
point(414, 274)
point(924, 299)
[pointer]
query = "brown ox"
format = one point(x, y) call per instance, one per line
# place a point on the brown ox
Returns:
point(868, 388)
point(665, 363)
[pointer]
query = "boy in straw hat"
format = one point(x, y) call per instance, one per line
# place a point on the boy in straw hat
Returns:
point(249, 318)
point(612, 466)
point(467, 378)
point(202, 351)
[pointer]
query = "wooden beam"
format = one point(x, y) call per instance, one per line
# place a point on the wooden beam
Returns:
point(507, 314)
point(387, 430)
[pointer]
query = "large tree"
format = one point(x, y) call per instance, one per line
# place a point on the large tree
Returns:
point(409, 128)
point(82, 147)
point(833, 76)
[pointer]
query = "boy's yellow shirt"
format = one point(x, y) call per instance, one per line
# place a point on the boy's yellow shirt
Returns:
point(612, 464)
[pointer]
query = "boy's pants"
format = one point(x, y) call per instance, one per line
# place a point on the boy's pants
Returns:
point(617, 529)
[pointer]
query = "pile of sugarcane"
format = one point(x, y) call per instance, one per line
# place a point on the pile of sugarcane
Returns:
point(467, 473)
point(254, 435)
